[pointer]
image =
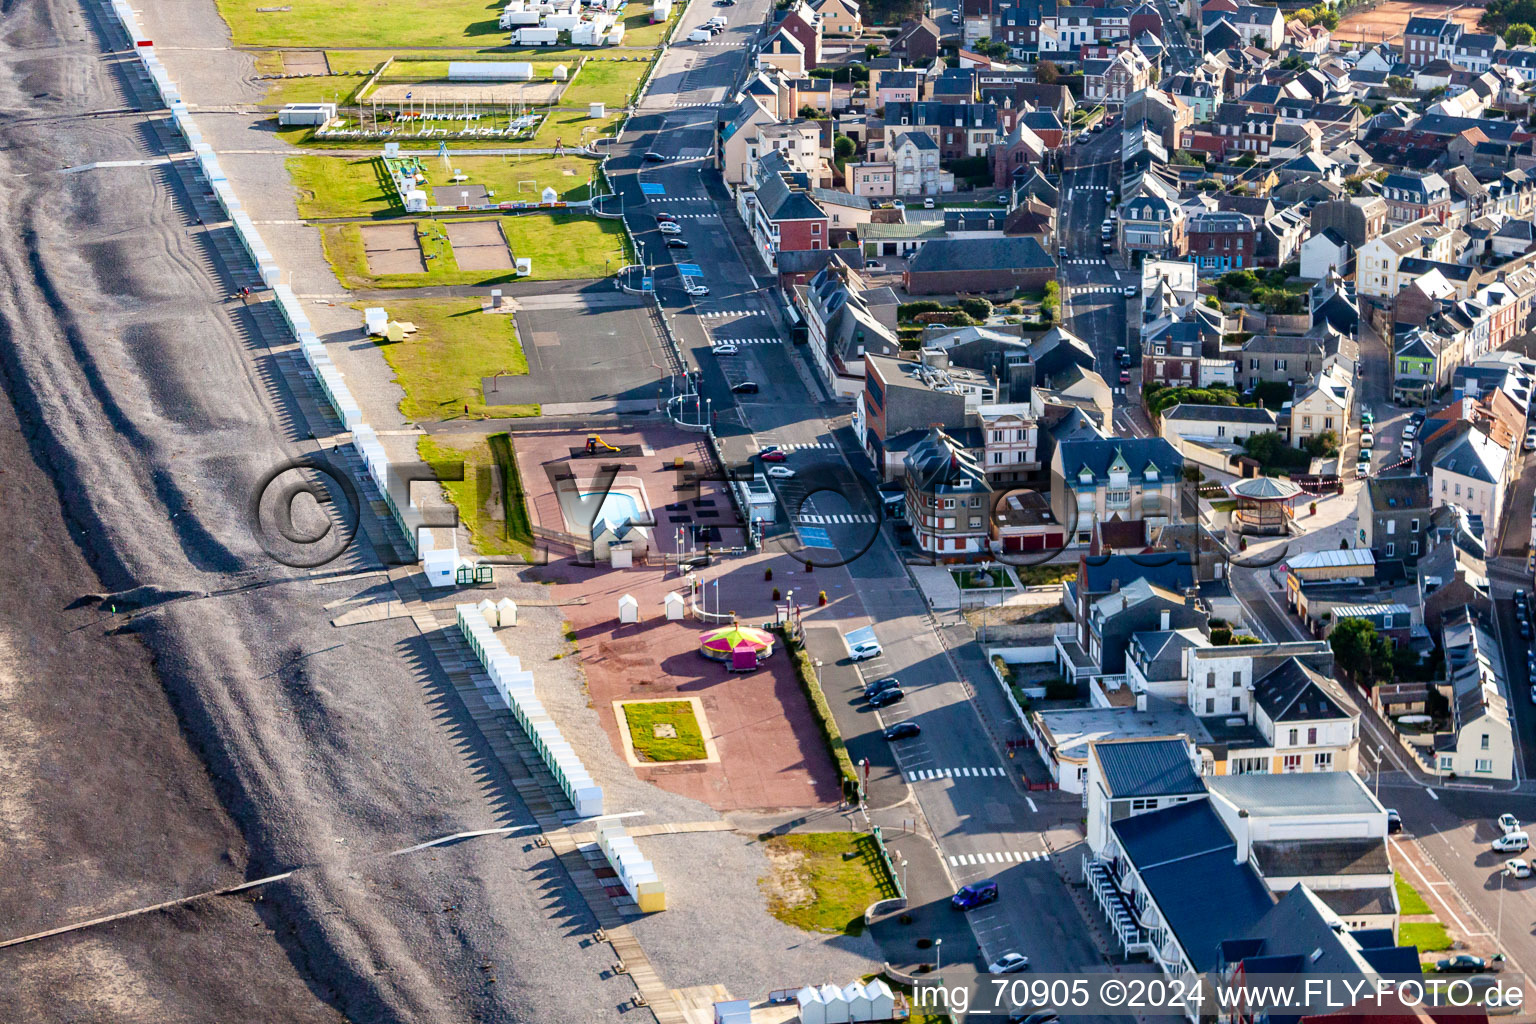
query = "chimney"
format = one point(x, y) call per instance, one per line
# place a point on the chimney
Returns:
point(1114, 586)
point(1241, 835)
point(1167, 615)
point(1141, 700)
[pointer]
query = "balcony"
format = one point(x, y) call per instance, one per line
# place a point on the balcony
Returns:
point(1118, 908)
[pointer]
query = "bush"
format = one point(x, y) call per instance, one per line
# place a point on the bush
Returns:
point(910, 310)
point(953, 318)
point(976, 308)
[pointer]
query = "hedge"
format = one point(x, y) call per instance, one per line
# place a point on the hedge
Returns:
point(805, 670)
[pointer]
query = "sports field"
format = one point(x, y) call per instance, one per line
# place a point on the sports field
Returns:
point(1385, 22)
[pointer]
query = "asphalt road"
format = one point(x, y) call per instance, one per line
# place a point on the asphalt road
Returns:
point(982, 822)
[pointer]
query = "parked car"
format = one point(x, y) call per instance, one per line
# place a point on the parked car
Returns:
point(1008, 963)
point(1125, 376)
point(865, 649)
point(677, 243)
point(1517, 868)
point(1106, 246)
point(1461, 963)
point(1416, 417)
point(1508, 823)
point(928, 203)
point(1410, 432)
point(887, 697)
point(1394, 821)
point(872, 688)
point(780, 472)
point(1367, 441)
point(1363, 467)
point(1366, 416)
point(1530, 439)
point(726, 349)
point(772, 455)
point(1061, 252)
point(669, 227)
point(697, 290)
point(1513, 842)
point(1407, 449)
point(746, 387)
point(897, 204)
point(977, 894)
point(902, 730)
point(1524, 626)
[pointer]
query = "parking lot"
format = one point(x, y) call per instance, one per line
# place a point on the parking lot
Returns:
point(582, 352)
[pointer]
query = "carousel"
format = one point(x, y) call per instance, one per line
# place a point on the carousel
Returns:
point(1263, 505)
point(741, 647)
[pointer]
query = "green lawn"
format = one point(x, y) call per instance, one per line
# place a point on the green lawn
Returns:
point(269, 62)
point(570, 128)
point(1429, 936)
point(816, 889)
point(343, 245)
point(570, 176)
point(971, 579)
point(565, 246)
point(604, 81)
point(1408, 899)
point(317, 89)
point(492, 506)
point(441, 366)
point(362, 23)
point(1043, 575)
point(642, 720)
point(341, 187)
point(638, 30)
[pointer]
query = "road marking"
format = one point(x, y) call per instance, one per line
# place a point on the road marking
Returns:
point(1032, 808)
point(1432, 793)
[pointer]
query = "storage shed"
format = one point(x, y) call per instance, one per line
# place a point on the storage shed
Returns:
point(490, 71)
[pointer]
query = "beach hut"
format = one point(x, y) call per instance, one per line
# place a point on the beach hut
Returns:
point(561, 73)
point(882, 1001)
point(837, 1006)
point(629, 609)
point(506, 611)
point(813, 1009)
point(674, 605)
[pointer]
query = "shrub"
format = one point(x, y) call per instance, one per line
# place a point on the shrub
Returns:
point(976, 308)
point(910, 310)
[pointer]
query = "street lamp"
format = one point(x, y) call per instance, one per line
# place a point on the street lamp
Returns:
point(938, 955)
point(903, 872)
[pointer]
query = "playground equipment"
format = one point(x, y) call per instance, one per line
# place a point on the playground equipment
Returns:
point(595, 441)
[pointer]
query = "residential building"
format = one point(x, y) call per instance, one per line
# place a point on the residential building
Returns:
point(1481, 744)
point(802, 24)
point(1209, 434)
point(1424, 39)
point(1394, 517)
point(1357, 219)
point(873, 180)
point(1472, 471)
point(784, 216)
point(1378, 261)
point(1322, 407)
point(917, 42)
point(960, 129)
point(1173, 355)
point(1111, 81)
point(839, 17)
point(948, 499)
point(1412, 196)
point(1254, 25)
point(1152, 220)
point(1128, 479)
point(1324, 252)
point(914, 155)
point(1218, 241)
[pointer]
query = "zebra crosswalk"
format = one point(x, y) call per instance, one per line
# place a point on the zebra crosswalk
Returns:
point(1079, 261)
point(1005, 857)
point(927, 774)
point(694, 216)
point(790, 449)
point(677, 199)
point(716, 313)
point(845, 519)
point(746, 341)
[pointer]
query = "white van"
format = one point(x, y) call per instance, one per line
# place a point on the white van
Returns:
point(700, 35)
point(1514, 842)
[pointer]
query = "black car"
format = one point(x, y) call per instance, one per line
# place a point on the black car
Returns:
point(746, 387)
point(902, 730)
point(677, 243)
point(1394, 822)
point(1525, 629)
point(653, 157)
point(888, 683)
point(887, 697)
point(1043, 1017)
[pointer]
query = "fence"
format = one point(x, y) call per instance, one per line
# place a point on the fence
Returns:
point(516, 688)
point(439, 563)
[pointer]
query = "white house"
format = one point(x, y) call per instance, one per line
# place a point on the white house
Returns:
point(1482, 745)
point(1323, 253)
point(1472, 472)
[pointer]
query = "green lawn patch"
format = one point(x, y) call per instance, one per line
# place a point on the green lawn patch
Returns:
point(564, 246)
point(312, 23)
point(823, 881)
point(975, 579)
point(1408, 899)
point(1429, 936)
point(570, 176)
point(675, 717)
point(340, 187)
point(269, 62)
point(639, 31)
point(343, 246)
point(314, 89)
point(490, 498)
point(604, 81)
point(572, 128)
point(441, 366)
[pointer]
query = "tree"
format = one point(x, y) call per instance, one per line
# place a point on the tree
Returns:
point(843, 148)
point(1322, 445)
point(1400, 85)
point(1187, 158)
point(808, 111)
point(871, 51)
point(1328, 18)
point(1046, 72)
point(1353, 642)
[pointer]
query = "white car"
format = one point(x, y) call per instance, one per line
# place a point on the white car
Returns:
point(1517, 868)
point(1367, 441)
point(1508, 823)
point(1410, 432)
point(1530, 440)
point(866, 649)
point(725, 350)
point(666, 227)
point(1363, 468)
point(698, 289)
point(780, 472)
point(1514, 842)
point(1012, 963)
point(1407, 449)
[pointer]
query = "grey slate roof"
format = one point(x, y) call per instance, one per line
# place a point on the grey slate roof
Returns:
point(1187, 862)
point(1297, 857)
point(1143, 768)
point(1220, 414)
point(947, 254)
point(1295, 693)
